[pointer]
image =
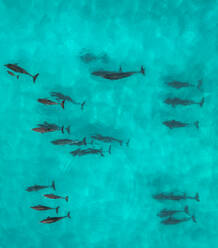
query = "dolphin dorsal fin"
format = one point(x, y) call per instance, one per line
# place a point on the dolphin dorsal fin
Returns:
point(121, 69)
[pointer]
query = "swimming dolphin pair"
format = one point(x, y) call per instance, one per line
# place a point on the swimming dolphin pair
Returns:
point(177, 101)
point(50, 220)
point(80, 152)
point(171, 196)
point(177, 124)
point(166, 213)
point(62, 97)
point(69, 142)
point(179, 85)
point(16, 68)
point(47, 127)
point(39, 187)
point(117, 75)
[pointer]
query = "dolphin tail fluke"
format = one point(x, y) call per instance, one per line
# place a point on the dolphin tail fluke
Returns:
point(68, 129)
point(109, 150)
point(197, 197)
point(202, 102)
point(142, 70)
point(200, 82)
point(82, 104)
point(62, 129)
point(35, 77)
point(68, 215)
point(84, 141)
point(53, 185)
point(186, 210)
point(66, 198)
point(197, 124)
point(62, 104)
point(127, 143)
point(57, 208)
point(193, 218)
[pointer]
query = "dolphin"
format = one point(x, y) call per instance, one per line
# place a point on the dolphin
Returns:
point(90, 57)
point(48, 127)
point(52, 196)
point(50, 220)
point(177, 101)
point(177, 124)
point(41, 208)
point(69, 142)
point(80, 152)
point(117, 75)
point(49, 102)
point(16, 68)
point(60, 96)
point(179, 85)
point(12, 74)
point(106, 139)
point(173, 221)
point(171, 196)
point(166, 212)
point(39, 187)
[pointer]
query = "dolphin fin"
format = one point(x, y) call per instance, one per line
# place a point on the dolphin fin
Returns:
point(120, 69)
point(109, 150)
point(197, 197)
point(57, 208)
point(202, 102)
point(66, 198)
point(62, 104)
point(82, 104)
point(53, 185)
point(84, 141)
point(193, 218)
point(200, 82)
point(35, 77)
point(68, 215)
point(142, 70)
point(197, 124)
point(186, 210)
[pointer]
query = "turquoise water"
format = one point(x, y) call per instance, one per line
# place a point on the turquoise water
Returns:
point(109, 198)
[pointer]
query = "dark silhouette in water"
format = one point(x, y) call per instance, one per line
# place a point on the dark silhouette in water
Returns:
point(90, 57)
point(43, 208)
point(177, 101)
point(80, 152)
point(52, 196)
point(49, 102)
point(12, 74)
point(16, 68)
point(47, 127)
point(60, 96)
point(39, 187)
point(69, 142)
point(167, 213)
point(179, 85)
point(177, 124)
point(106, 139)
point(50, 220)
point(117, 75)
point(173, 221)
point(171, 196)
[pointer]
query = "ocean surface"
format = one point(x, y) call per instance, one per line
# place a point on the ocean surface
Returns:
point(110, 197)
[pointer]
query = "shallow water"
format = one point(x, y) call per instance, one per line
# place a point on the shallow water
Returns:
point(110, 198)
